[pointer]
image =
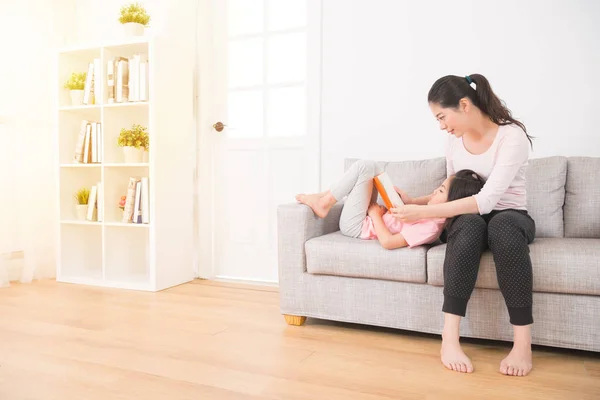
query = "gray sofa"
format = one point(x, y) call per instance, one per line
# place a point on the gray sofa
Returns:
point(323, 274)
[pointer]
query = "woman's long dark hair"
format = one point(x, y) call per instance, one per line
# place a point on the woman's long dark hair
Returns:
point(448, 90)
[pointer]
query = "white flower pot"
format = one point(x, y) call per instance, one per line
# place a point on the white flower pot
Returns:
point(81, 211)
point(133, 155)
point(133, 29)
point(76, 97)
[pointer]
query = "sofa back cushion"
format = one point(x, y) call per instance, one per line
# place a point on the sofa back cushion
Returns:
point(546, 194)
point(582, 198)
point(415, 177)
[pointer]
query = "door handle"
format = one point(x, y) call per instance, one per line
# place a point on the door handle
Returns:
point(219, 126)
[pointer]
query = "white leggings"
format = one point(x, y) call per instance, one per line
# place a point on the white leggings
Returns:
point(357, 184)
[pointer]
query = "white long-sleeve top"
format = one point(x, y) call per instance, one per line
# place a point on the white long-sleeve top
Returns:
point(503, 166)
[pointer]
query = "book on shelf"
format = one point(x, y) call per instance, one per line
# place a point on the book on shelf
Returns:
point(136, 209)
point(88, 147)
point(95, 210)
point(127, 78)
point(90, 90)
point(386, 190)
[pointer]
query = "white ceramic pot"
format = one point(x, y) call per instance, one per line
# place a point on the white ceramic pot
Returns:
point(133, 29)
point(133, 155)
point(76, 97)
point(81, 210)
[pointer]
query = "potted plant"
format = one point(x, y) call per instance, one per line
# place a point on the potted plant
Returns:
point(134, 18)
point(81, 198)
point(76, 84)
point(135, 142)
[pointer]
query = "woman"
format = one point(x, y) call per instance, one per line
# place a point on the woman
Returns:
point(484, 137)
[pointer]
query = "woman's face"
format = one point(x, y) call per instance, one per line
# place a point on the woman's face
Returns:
point(453, 121)
point(440, 195)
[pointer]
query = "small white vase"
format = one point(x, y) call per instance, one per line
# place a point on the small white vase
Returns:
point(81, 211)
point(133, 155)
point(133, 29)
point(76, 97)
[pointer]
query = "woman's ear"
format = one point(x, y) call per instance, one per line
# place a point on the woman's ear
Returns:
point(464, 104)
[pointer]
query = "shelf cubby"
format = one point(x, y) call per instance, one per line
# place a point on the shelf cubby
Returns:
point(81, 251)
point(127, 254)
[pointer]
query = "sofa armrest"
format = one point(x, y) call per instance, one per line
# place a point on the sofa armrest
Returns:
point(296, 224)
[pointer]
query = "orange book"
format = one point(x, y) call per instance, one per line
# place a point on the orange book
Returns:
point(386, 190)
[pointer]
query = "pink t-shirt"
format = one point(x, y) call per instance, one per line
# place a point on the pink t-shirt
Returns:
point(415, 233)
point(503, 166)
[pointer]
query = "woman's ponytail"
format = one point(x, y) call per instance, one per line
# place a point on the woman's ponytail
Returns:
point(448, 90)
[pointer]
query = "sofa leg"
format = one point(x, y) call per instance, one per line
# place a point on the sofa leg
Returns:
point(294, 320)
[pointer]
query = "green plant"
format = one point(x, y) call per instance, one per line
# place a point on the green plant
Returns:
point(136, 137)
point(82, 195)
point(76, 81)
point(134, 12)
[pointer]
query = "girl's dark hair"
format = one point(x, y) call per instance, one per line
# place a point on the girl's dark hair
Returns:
point(448, 90)
point(465, 183)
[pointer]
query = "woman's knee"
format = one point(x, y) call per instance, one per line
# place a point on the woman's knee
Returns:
point(504, 229)
point(471, 227)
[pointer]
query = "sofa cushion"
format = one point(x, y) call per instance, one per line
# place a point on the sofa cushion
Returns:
point(546, 194)
point(415, 177)
point(336, 254)
point(559, 266)
point(582, 199)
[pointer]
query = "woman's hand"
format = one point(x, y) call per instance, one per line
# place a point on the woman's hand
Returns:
point(375, 209)
point(405, 197)
point(409, 213)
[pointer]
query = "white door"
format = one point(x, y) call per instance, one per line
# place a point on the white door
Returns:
point(259, 77)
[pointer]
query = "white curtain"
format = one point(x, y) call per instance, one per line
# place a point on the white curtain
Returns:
point(28, 205)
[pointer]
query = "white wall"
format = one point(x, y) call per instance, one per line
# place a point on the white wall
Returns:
point(30, 31)
point(380, 58)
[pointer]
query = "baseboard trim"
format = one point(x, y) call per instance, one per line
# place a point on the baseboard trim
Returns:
point(249, 281)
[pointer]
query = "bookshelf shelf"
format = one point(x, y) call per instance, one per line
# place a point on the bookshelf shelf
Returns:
point(155, 251)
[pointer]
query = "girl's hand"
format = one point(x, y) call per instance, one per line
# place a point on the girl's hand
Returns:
point(375, 209)
point(409, 213)
point(405, 197)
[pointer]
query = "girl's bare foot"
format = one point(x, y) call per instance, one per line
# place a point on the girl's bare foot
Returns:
point(519, 360)
point(453, 357)
point(320, 203)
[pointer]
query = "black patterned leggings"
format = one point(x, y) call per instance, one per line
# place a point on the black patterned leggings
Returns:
point(507, 234)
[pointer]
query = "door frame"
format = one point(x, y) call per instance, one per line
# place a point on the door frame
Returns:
point(204, 219)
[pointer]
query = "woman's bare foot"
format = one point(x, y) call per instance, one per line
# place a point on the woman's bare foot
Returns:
point(320, 203)
point(453, 357)
point(519, 360)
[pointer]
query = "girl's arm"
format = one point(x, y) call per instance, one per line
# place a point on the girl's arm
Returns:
point(387, 240)
point(410, 213)
point(409, 200)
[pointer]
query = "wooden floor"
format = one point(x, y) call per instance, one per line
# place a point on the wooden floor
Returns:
point(206, 340)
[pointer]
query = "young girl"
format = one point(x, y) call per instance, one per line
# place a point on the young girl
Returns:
point(363, 218)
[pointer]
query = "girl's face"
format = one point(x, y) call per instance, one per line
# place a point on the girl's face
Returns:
point(453, 121)
point(440, 195)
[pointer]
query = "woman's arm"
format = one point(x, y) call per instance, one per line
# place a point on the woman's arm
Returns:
point(386, 239)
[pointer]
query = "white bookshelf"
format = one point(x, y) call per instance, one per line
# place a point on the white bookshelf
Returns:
point(110, 253)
